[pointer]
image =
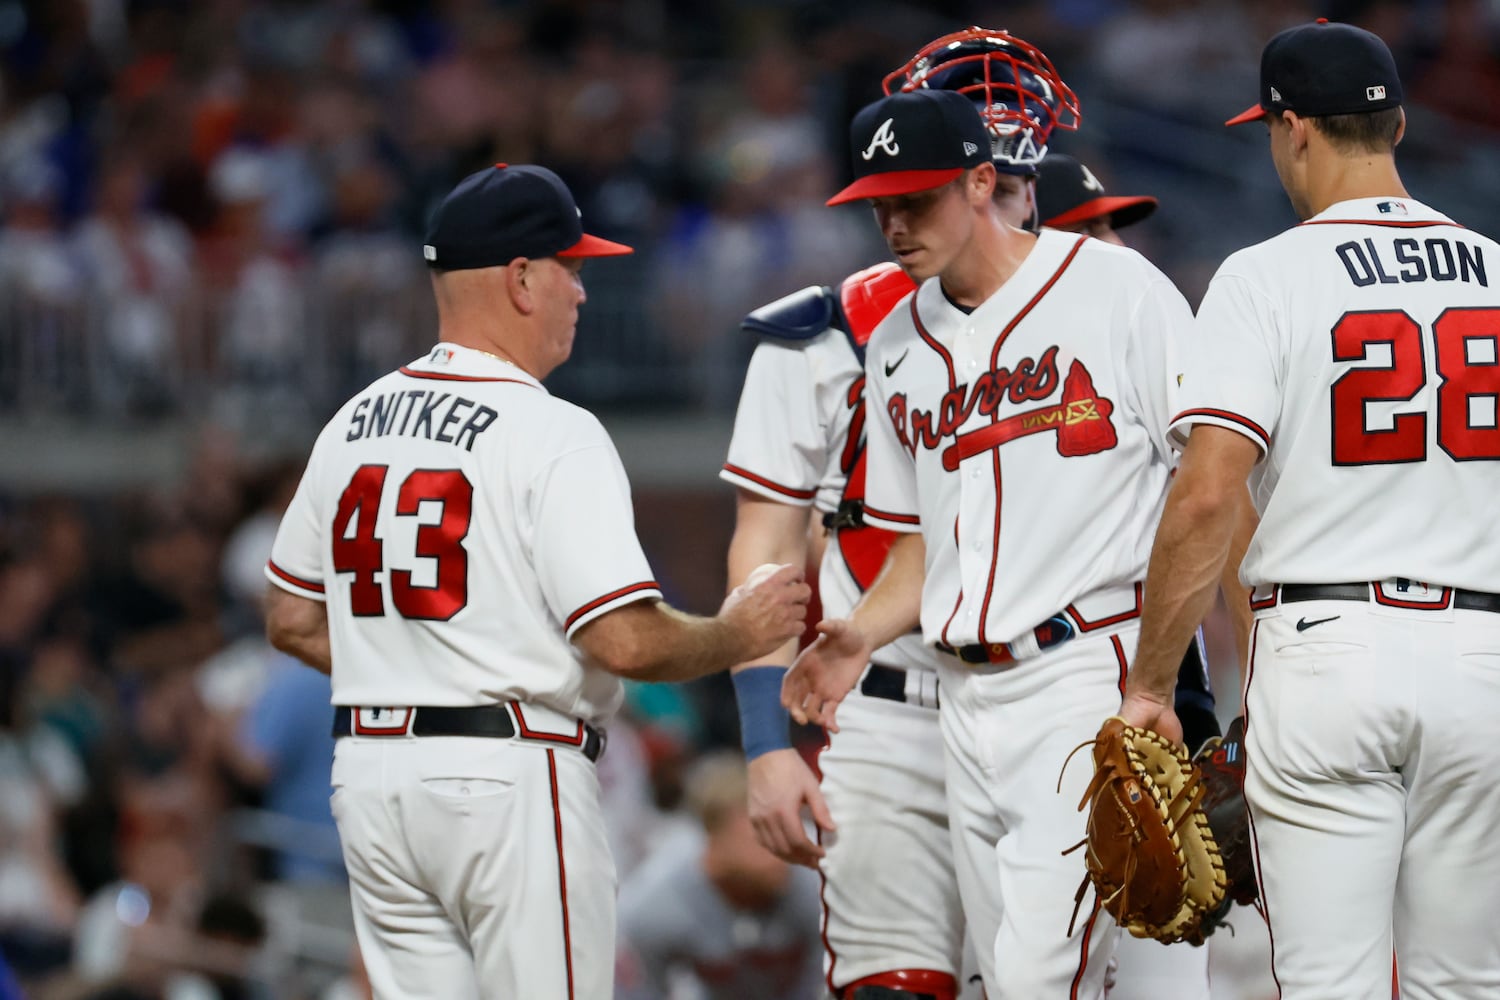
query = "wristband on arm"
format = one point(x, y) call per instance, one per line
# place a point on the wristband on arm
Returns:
point(764, 724)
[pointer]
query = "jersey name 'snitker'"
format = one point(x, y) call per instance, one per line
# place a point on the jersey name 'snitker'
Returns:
point(1360, 351)
point(462, 523)
point(797, 436)
point(1027, 440)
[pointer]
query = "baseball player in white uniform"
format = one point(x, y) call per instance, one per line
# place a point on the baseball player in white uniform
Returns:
point(1010, 390)
point(798, 445)
point(1348, 368)
point(460, 554)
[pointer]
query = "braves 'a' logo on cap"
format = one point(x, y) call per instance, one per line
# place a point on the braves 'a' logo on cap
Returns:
point(1090, 182)
point(884, 140)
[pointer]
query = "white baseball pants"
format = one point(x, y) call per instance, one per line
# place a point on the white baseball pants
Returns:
point(1371, 782)
point(478, 868)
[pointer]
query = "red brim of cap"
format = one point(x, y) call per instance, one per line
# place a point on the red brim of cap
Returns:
point(1254, 113)
point(593, 246)
point(895, 183)
point(1122, 211)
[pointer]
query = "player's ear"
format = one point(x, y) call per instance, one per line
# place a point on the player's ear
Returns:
point(1297, 127)
point(979, 184)
point(1400, 129)
point(519, 276)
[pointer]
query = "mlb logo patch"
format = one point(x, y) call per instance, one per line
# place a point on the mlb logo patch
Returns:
point(1374, 93)
point(440, 356)
point(1392, 208)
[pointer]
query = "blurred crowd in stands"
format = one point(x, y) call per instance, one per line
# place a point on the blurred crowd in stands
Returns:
point(215, 207)
point(210, 214)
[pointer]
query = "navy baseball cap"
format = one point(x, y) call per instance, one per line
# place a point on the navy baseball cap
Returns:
point(914, 141)
point(1324, 68)
point(1067, 192)
point(503, 212)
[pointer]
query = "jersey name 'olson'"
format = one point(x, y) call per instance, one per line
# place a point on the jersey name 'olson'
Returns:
point(425, 413)
point(1405, 258)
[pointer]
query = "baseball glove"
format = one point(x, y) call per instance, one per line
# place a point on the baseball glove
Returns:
point(1151, 853)
point(1221, 760)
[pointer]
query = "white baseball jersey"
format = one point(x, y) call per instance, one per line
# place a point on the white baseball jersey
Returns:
point(1360, 351)
point(1027, 439)
point(797, 438)
point(462, 524)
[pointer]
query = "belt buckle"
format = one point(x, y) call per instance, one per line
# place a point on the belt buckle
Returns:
point(382, 720)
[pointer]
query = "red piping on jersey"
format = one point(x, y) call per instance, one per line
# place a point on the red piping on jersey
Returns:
point(1114, 641)
point(1084, 625)
point(882, 515)
point(527, 732)
point(958, 602)
point(787, 491)
point(1083, 950)
point(1233, 418)
point(612, 596)
point(562, 869)
point(1392, 224)
point(989, 587)
point(916, 321)
point(295, 581)
point(1396, 602)
point(1264, 602)
point(445, 377)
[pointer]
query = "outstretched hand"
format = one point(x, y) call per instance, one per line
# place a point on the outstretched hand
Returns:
point(825, 672)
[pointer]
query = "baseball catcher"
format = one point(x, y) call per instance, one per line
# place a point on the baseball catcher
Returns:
point(1168, 846)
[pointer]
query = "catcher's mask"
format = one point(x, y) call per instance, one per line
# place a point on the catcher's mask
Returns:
point(1018, 90)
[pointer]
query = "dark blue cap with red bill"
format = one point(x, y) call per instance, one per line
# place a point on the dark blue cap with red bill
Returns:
point(1324, 69)
point(1067, 193)
point(914, 141)
point(503, 212)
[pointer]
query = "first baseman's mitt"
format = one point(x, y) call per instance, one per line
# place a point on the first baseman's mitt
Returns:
point(1151, 853)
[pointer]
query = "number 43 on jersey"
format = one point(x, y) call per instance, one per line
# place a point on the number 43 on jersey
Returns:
point(358, 550)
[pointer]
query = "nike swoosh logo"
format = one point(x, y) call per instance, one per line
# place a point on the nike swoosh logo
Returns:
point(1303, 624)
point(891, 366)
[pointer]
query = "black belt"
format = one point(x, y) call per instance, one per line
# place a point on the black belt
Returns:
point(1464, 600)
point(493, 721)
point(1053, 632)
point(884, 682)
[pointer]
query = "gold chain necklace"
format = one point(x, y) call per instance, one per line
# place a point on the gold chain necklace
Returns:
point(497, 357)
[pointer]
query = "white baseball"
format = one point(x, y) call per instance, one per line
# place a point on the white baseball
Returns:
point(762, 571)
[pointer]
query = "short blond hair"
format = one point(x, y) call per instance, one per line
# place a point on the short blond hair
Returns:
point(715, 787)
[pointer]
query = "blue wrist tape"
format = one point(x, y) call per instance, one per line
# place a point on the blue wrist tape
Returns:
point(764, 724)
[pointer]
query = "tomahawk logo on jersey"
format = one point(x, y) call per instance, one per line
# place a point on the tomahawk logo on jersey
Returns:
point(977, 394)
point(1387, 393)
